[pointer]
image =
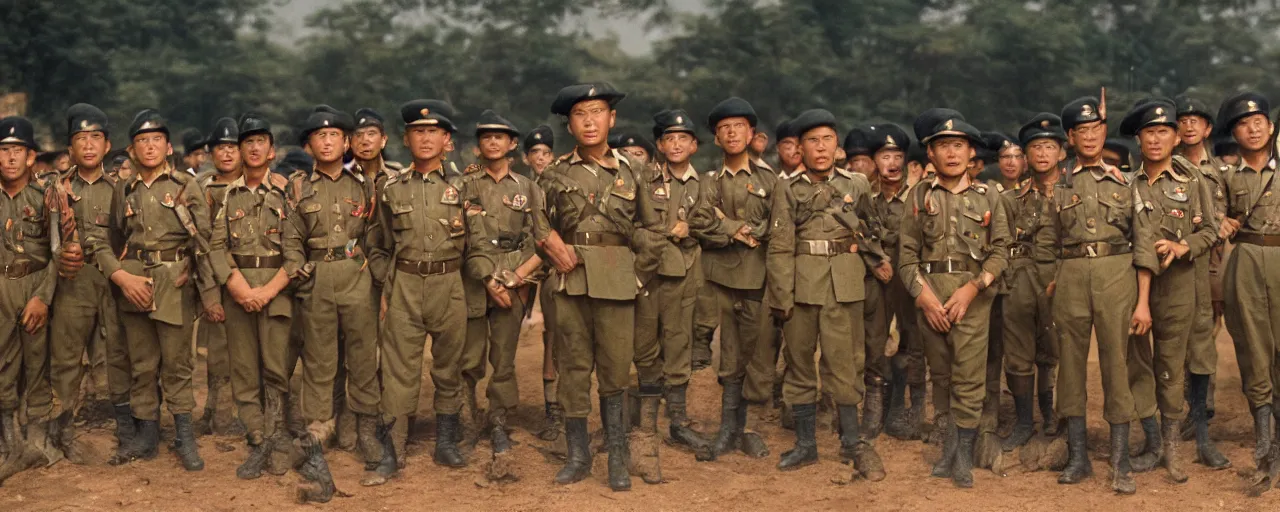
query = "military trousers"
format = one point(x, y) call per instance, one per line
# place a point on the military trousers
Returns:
point(84, 314)
point(418, 306)
point(1251, 289)
point(159, 352)
point(663, 343)
point(762, 371)
point(1202, 348)
point(1095, 295)
point(593, 334)
point(24, 358)
point(1157, 361)
point(891, 301)
point(958, 358)
point(339, 329)
point(213, 336)
point(836, 330)
point(258, 348)
point(1029, 337)
point(706, 316)
point(491, 341)
point(744, 323)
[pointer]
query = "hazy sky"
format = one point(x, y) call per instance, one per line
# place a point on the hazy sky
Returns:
point(631, 36)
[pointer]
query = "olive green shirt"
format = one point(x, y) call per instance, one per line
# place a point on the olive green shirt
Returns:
point(671, 199)
point(329, 214)
point(739, 197)
point(970, 227)
point(1098, 205)
point(250, 221)
point(420, 218)
point(1253, 197)
point(1179, 208)
point(503, 222)
point(27, 225)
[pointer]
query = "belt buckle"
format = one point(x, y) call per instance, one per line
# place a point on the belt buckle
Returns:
point(950, 266)
point(257, 261)
point(822, 247)
point(1093, 253)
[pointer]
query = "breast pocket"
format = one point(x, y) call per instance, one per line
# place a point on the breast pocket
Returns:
point(236, 227)
point(401, 216)
point(1119, 207)
point(1068, 214)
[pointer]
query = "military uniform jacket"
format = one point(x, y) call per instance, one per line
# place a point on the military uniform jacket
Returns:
point(169, 214)
point(815, 224)
point(597, 197)
point(1213, 171)
point(1028, 207)
point(1179, 208)
point(671, 199)
point(420, 219)
point(741, 198)
point(27, 225)
point(330, 216)
point(1253, 198)
point(888, 211)
point(250, 223)
point(967, 232)
point(503, 222)
point(1097, 205)
point(90, 202)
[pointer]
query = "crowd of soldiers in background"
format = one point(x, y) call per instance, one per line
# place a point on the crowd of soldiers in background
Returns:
point(842, 278)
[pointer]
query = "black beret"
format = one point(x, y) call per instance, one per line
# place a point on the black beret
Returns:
point(429, 113)
point(192, 140)
point(927, 120)
point(324, 116)
point(83, 117)
point(1238, 107)
point(252, 123)
point(810, 119)
point(889, 136)
point(998, 142)
point(673, 121)
point(490, 121)
point(575, 94)
point(1043, 126)
point(1188, 106)
point(368, 117)
point(1081, 111)
point(1223, 146)
point(732, 107)
point(784, 130)
point(296, 160)
point(1149, 112)
point(146, 121)
point(626, 140)
point(859, 140)
point(540, 135)
point(224, 131)
point(955, 128)
point(18, 130)
point(1125, 150)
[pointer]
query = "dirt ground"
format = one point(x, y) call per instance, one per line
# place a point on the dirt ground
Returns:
point(733, 483)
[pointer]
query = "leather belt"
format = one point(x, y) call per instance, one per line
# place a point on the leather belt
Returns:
point(1096, 250)
point(1256, 239)
point(824, 247)
point(275, 261)
point(153, 257)
point(601, 239)
point(507, 244)
point(951, 266)
point(1020, 251)
point(21, 269)
point(332, 254)
point(429, 268)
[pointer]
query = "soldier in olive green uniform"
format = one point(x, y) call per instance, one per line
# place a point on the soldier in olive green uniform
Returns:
point(1195, 125)
point(417, 256)
point(1181, 216)
point(159, 226)
point(85, 310)
point(248, 258)
point(502, 226)
point(592, 199)
point(224, 153)
point(539, 147)
point(741, 193)
point(1106, 259)
point(1252, 223)
point(1030, 341)
point(668, 259)
point(325, 253)
point(26, 294)
point(823, 230)
point(953, 246)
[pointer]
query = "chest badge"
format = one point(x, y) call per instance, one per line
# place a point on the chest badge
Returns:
point(450, 195)
point(1115, 195)
point(848, 199)
point(167, 201)
point(519, 201)
point(28, 211)
point(1075, 198)
point(1177, 213)
point(660, 192)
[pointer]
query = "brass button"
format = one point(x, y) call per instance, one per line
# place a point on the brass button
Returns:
point(1090, 223)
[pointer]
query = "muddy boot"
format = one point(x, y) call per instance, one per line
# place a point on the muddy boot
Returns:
point(943, 426)
point(399, 429)
point(1263, 452)
point(386, 466)
point(1170, 460)
point(616, 442)
point(1050, 420)
point(1206, 453)
point(184, 443)
point(370, 446)
point(65, 439)
point(1152, 447)
point(577, 465)
point(31, 453)
point(126, 426)
point(727, 438)
point(1121, 481)
point(346, 425)
point(280, 457)
point(447, 454)
point(204, 426)
point(914, 427)
point(1078, 465)
point(872, 409)
point(644, 441)
point(749, 443)
point(9, 430)
point(259, 454)
point(897, 423)
point(962, 468)
point(319, 487)
point(681, 428)
point(805, 451)
point(1024, 428)
point(143, 445)
point(553, 427)
point(499, 468)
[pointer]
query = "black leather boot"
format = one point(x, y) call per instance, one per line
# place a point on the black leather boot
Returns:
point(184, 443)
point(144, 445)
point(1023, 398)
point(1078, 466)
point(386, 466)
point(577, 465)
point(730, 400)
point(1262, 434)
point(850, 431)
point(1206, 453)
point(447, 454)
point(950, 438)
point(1049, 418)
point(554, 422)
point(616, 441)
point(872, 409)
point(681, 428)
point(962, 469)
point(805, 451)
point(1121, 481)
point(896, 422)
point(316, 471)
point(126, 426)
point(367, 440)
point(644, 440)
point(1152, 447)
point(259, 452)
point(749, 443)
